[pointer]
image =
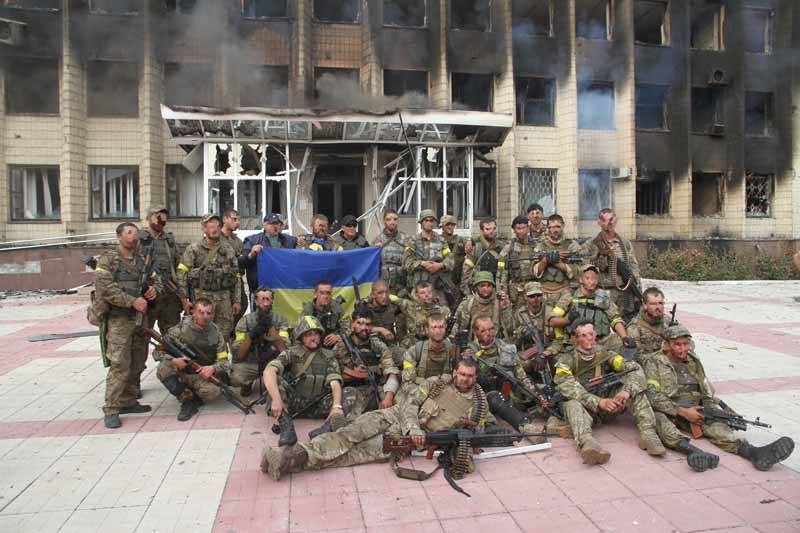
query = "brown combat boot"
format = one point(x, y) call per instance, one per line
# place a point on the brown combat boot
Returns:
point(556, 425)
point(649, 441)
point(530, 428)
point(594, 454)
point(276, 462)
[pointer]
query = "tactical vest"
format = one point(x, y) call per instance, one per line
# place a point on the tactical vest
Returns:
point(310, 383)
point(552, 274)
point(520, 271)
point(217, 270)
point(385, 316)
point(435, 253)
point(429, 364)
point(355, 244)
point(445, 408)
point(164, 254)
point(328, 316)
point(204, 341)
point(500, 353)
point(595, 308)
point(369, 353)
point(477, 309)
point(688, 385)
point(486, 257)
point(392, 259)
point(128, 278)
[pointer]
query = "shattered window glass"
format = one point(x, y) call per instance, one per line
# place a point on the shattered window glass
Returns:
point(114, 192)
point(34, 193)
point(538, 186)
point(184, 192)
point(759, 189)
point(360, 131)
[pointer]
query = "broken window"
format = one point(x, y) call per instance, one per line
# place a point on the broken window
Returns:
point(594, 19)
point(405, 13)
point(758, 37)
point(263, 86)
point(596, 105)
point(34, 193)
point(535, 99)
point(707, 110)
point(336, 85)
point(758, 113)
point(184, 192)
point(472, 91)
point(759, 190)
point(114, 191)
point(653, 188)
point(337, 11)
point(708, 25)
point(260, 9)
point(189, 84)
point(32, 4)
point(220, 195)
point(400, 82)
point(470, 15)
point(651, 107)
point(538, 186)
point(483, 192)
point(706, 193)
point(114, 7)
point(183, 7)
point(32, 86)
point(651, 22)
point(594, 192)
point(532, 17)
point(112, 89)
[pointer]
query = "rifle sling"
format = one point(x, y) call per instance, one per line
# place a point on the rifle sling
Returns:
point(596, 365)
point(410, 473)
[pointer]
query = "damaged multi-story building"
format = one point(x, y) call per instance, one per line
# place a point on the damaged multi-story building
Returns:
point(681, 115)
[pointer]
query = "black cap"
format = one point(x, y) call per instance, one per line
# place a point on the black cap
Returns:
point(272, 218)
point(349, 220)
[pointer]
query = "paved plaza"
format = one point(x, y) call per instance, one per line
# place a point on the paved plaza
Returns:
point(61, 470)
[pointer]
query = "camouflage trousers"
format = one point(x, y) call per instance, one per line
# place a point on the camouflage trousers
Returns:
point(195, 385)
point(126, 350)
point(243, 374)
point(295, 402)
point(166, 310)
point(718, 433)
point(223, 312)
point(580, 419)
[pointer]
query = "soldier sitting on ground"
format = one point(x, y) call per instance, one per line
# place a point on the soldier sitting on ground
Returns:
point(430, 357)
point(388, 321)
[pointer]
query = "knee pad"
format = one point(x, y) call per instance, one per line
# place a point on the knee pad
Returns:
point(174, 385)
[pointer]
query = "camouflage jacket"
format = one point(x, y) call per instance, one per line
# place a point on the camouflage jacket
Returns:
point(208, 342)
point(421, 362)
point(331, 316)
point(456, 244)
point(552, 278)
point(648, 335)
point(212, 269)
point(669, 382)
point(416, 315)
point(513, 272)
point(374, 353)
point(503, 355)
point(247, 323)
point(571, 369)
point(485, 256)
point(166, 252)
point(474, 307)
point(340, 243)
point(312, 372)
point(117, 281)
point(622, 248)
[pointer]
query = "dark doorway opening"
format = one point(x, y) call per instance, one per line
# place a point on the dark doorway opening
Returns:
point(337, 192)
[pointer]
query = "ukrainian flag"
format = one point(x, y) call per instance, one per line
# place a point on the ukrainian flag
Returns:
point(292, 274)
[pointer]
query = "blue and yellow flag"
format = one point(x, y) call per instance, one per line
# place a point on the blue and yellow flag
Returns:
point(292, 274)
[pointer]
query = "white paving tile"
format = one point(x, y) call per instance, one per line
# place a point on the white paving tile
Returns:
point(34, 522)
point(747, 312)
point(8, 329)
point(116, 520)
point(35, 312)
point(724, 359)
point(83, 344)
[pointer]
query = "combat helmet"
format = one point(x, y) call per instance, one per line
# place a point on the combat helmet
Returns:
point(307, 323)
point(481, 276)
point(427, 213)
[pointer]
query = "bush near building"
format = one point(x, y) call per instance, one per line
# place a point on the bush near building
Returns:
point(704, 264)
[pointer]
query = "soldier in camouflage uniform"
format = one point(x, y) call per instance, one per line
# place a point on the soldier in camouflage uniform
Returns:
point(647, 328)
point(678, 390)
point(166, 309)
point(514, 265)
point(528, 324)
point(393, 244)
point(427, 258)
point(318, 240)
point(328, 311)
point(416, 311)
point(459, 247)
point(485, 255)
point(210, 267)
point(117, 288)
point(440, 405)
point(349, 238)
point(429, 358)
point(388, 321)
point(537, 228)
point(484, 302)
point(587, 361)
point(198, 332)
point(230, 223)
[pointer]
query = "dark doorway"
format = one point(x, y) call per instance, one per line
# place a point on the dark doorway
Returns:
point(337, 192)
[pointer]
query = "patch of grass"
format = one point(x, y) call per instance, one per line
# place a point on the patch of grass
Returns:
point(704, 264)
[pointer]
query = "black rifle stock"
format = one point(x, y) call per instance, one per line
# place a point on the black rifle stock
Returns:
point(359, 361)
point(723, 414)
point(144, 281)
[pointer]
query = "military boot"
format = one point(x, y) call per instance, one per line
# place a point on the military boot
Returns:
point(763, 457)
point(649, 442)
point(556, 425)
point(276, 462)
point(324, 428)
point(530, 428)
point(189, 408)
point(112, 421)
point(288, 436)
point(592, 453)
point(698, 460)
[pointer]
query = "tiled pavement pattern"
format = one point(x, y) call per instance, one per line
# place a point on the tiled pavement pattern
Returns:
point(61, 470)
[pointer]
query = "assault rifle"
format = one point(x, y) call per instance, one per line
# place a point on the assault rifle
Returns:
point(451, 293)
point(360, 304)
point(276, 428)
point(534, 336)
point(599, 386)
point(355, 354)
point(543, 398)
point(624, 271)
point(147, 272)
point(672, 314)
point(723, 414)
point(573, 258)
point(178, 349)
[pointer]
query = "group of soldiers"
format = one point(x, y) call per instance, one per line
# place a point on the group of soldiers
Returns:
point(457, 333)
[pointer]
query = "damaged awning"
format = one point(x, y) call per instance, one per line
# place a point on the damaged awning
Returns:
point(193, 125)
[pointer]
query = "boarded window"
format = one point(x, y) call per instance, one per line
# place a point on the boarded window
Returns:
point(593, 19)
point(483, 192)
point(34, 193)
point(651, 107)
point(260, 9)
point(596, 105)
point(758, 36)
point(706, 193)
point(758, 113)
point(32, 86)
point(336, 11)
point(405, 13)
point(114, 192)
point(470, 15)
point(707, 110)
point(532, 17)
point(188, 84)
point(759, 191)
point(651, 22)
point(400, 82)
point(112, 89)
point(114, 7)
point(538, 186)
point(184, 192)
point(264, 86)
point(535, 99)
point(472, 91)
point(653, 188)
point(708, 25)
point(594, 192)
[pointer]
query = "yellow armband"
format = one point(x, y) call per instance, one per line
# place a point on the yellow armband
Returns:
point(183, 268)
point(241, 335)
point(617, 362)
point(222, 356)
point(654, 383)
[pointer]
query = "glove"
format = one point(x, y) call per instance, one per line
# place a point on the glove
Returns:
point(540, 362)
point(261, 327)
point(573, 315)
point(553, 258)
point(629, 342)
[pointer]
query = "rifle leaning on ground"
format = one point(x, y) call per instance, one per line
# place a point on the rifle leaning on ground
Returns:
point(178, 349)
point(723, 414)
point(292, 382)
point(355, 355)
point(600, 386)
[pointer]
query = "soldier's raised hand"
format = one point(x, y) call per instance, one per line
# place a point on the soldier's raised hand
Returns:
point(150, 293)
point(140, 304)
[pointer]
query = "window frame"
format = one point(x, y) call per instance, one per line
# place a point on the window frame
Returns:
point(551, 17)
point(719, 109)
point(453, 85)
point(271, 68)
point(89, 98)
point(720, 20)
point(587, 85)
point(133, 187)
point(769, 29)
point(665, 178)
point(609, 193)
point(550, 88)
point(771, 185)
point(666, 24)
point(7, 72)
point(273, 17)
point(12, 195)
point(610, 9)
point(450, 18)
point(315, 18)
point(769, 114)
point(665, 108)
point(390, 25)
point(425, 72)
point(532, 174)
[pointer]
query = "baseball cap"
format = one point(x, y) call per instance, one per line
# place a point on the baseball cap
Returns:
point(349, 220)
point(272, 218)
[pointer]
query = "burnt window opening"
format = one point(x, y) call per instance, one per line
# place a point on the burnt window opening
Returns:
point(264, 86)
point(184, 7)
point(532, 17)
point(536, 101)
point(538, 186)
point(250, 160)
point(706, 194)
point(759, 35)
point(114, 192)
point(472, 91)
point(651, 107)
point(596, 105)
point(707, 110)
point(400, 82)
point(405, 13)
point(651, 22)
point(112, 89)
point(472, 15)
point(32, 86)
point(594, 19)
point(483, 187)
point(759, 192)
point(189, 84)
point(34, 192)
point(334, 83)
point(653, 188)
point(184, 192)
point(594, 192)
point(222, 160)
point(758, 113)
point(336, 11)
point(114, 7)
point(708, 25)
point(264, 9)
point(32, 4)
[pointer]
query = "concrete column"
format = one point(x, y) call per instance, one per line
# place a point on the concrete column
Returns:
point(301, 66)
point(567, 116)
point(371, 64)
point(793, 175)
point(152, 184)
point(440, 73)
point(504, 102)
point(5, 203)
point(681, 121)
point(624, 190)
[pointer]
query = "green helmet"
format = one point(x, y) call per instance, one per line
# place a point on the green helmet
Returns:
point(307, 323)
point(483, 275)
point(427, 213)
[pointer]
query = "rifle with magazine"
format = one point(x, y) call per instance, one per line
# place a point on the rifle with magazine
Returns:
point(723, 414)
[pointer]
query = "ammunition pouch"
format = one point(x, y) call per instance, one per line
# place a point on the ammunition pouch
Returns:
point(213, 278)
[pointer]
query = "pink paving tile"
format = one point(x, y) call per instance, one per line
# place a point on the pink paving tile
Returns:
point(740, 529)
point(18, 430)
point(254, 485)
point(328, 481)
point(513, 467)
point(247, 457)
point(433, 526)
point(718, 477)
point(499, 522)
point(788, 490)
point(630, 514)
point(450, 504)
point(253, 515)
point(379, 477)
point(779, 527)
point(218, 420)
point(754, 334)
point(592, 486)
point(396, 507)
point(568, 519)
point(692, 511)
point(654, 479)
point(536, 492)
point(325, 512)
point(166, 423)
point(130, 424)
point(744, 468)
point(559, 459)
point(754, 504)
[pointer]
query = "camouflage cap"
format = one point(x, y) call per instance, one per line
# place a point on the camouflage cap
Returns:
point(589, 266)
point(676, 332)
point(533, 287)
point(427, 213)
point(157, 209)
point(448, 219)
point(211, 216)
point(481, 276)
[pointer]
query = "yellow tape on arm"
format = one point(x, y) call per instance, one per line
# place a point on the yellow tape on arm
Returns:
point(557, 311)
point(445, 252)
point(222, 355)
point(183, 268)
point(565, 371)
point(408, 364)
point(241, 335)
point(283, 333)
point(617, 362)
point(654, 383)
point(501, 264)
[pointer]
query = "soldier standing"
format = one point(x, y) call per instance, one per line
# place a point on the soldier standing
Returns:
point(459, 247)
point(392, 242)
point(516, 259)
point(537, 228)
point(416, 311)
point(483, 301)
point(529, 331)
point(118, 286)
point(271, 237)
point(484, 256)
point(318, 240)
point(209, 268)
point(350, 238)
point(166, 308)
point(230, 223)
point(427, 258)
point(328, 311)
